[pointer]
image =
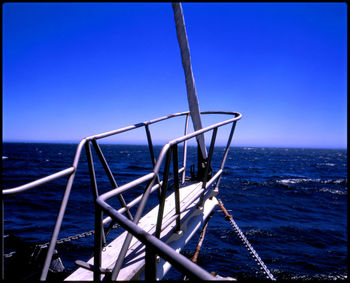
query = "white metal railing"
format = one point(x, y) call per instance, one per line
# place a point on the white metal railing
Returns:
point(170, 149)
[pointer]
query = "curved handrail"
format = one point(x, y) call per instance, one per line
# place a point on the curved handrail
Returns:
point(101, 200)
point(165, 150)
point(71, 171)
point(194, 134)
point(73, 168)
point(138, 125)
point(39, 182)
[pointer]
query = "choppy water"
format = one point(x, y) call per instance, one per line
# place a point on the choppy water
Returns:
point(290, 203)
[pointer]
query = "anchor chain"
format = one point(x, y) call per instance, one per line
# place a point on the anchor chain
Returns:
point(61, 241)
point(246, 242)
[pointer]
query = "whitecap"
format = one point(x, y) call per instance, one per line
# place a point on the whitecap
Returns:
point(338, 181)
point(4, 157)
point(307, 180)
point(296, 181)
point(326, 164)
point(337, 192)
point(286, 181)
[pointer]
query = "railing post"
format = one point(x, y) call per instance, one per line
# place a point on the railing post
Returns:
point(150, 145)
point(98, 242)
point(91, 171)
point(208, 165)
point(226, 153)
point(151, 265)
point(163, 193)
point(176, 185)
point(93, 179)
point(185, 150)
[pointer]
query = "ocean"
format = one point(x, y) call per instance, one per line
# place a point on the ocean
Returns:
point(290, 203)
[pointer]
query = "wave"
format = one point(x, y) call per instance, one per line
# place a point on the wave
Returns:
point(326, 164)
point(333, 276)
point(258, 232)
point(337, 192)
point(282, 201)
point(308, 180)
point(138, 167)
point(293, 181)
point(335, 187)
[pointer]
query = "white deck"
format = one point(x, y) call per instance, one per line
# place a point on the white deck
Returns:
point(133, 267)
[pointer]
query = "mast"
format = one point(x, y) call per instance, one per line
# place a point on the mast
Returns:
point(190, 85)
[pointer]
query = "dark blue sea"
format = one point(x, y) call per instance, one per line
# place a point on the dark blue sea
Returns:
point(291, 204)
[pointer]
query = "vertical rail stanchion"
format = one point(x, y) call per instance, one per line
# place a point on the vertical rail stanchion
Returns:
point(163, 193)
point(150, 145)
point(98, 242)
point(150, 266)
point(226, 153)
point(185, 150)
point(176, 186)
point(93, 180)
point(91, 171)
point(210, 155)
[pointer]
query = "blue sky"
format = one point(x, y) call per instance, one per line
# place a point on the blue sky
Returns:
point(73, 70)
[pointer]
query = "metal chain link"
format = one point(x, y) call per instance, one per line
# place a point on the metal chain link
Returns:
point(61, 241)
point(247, 244)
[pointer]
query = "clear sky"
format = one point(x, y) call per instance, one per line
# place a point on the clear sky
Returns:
point(71, 70)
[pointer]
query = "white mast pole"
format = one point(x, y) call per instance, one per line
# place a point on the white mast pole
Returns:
point(190, 85)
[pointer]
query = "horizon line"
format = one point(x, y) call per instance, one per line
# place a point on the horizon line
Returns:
point(143, 143)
